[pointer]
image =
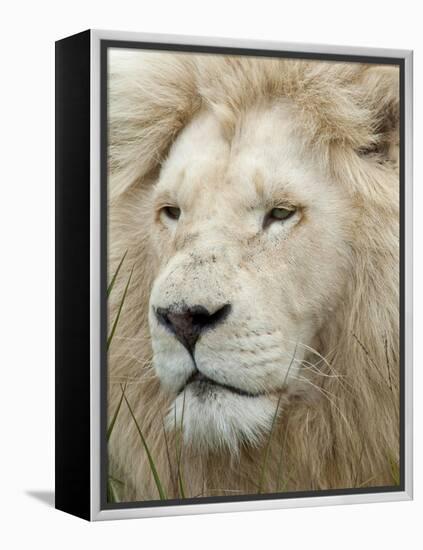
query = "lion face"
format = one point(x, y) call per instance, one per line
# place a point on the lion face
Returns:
point(250, 235)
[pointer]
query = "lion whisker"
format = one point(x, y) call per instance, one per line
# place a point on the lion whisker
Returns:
point(312, 368)
point(326, 394)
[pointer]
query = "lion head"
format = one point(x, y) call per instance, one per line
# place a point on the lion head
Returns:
point(257, 200)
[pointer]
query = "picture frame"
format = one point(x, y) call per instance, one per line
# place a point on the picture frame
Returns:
point(83, 277)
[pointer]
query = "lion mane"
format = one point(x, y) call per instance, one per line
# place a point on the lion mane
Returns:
point(349, 435)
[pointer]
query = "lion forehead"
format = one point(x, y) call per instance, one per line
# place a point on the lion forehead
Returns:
point(263, 159)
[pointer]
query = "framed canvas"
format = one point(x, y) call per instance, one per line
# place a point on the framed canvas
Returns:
point(233, 275)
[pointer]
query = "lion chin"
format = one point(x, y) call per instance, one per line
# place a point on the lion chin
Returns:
point(215, 419)
point(257, 202)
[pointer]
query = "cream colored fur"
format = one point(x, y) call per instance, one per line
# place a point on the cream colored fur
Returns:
point(315, 299)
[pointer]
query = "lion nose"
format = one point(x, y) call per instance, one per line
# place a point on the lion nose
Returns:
point(188, 323)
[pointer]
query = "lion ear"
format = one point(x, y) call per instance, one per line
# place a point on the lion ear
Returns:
point(380, 95)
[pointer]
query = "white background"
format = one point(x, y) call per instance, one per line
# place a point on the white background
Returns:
point(28, 32)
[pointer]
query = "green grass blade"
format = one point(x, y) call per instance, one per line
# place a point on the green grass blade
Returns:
point(112, 282)
point(280, 487)
point(266, 454)
point(169, 461)
point(110, 338)
point(159, 486)
point(115, 480)
point(180, 479)
point(395, 471)
point(112, 496)
point(113, 422)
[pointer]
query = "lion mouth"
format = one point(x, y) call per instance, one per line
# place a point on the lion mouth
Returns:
point(204, 381)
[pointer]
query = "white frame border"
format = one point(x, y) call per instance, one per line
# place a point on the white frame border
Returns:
point(95, 172)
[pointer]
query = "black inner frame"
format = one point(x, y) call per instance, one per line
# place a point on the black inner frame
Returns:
point(104, 46)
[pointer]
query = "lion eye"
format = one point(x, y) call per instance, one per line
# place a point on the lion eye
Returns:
point(281, 213)
point(278, 215)
point(172, 212)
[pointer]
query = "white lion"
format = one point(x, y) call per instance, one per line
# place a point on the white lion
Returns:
point(258, 202)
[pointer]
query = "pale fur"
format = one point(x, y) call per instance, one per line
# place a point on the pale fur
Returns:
point(335, 425)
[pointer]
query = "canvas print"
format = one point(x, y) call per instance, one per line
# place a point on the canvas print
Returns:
point(253, 276)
